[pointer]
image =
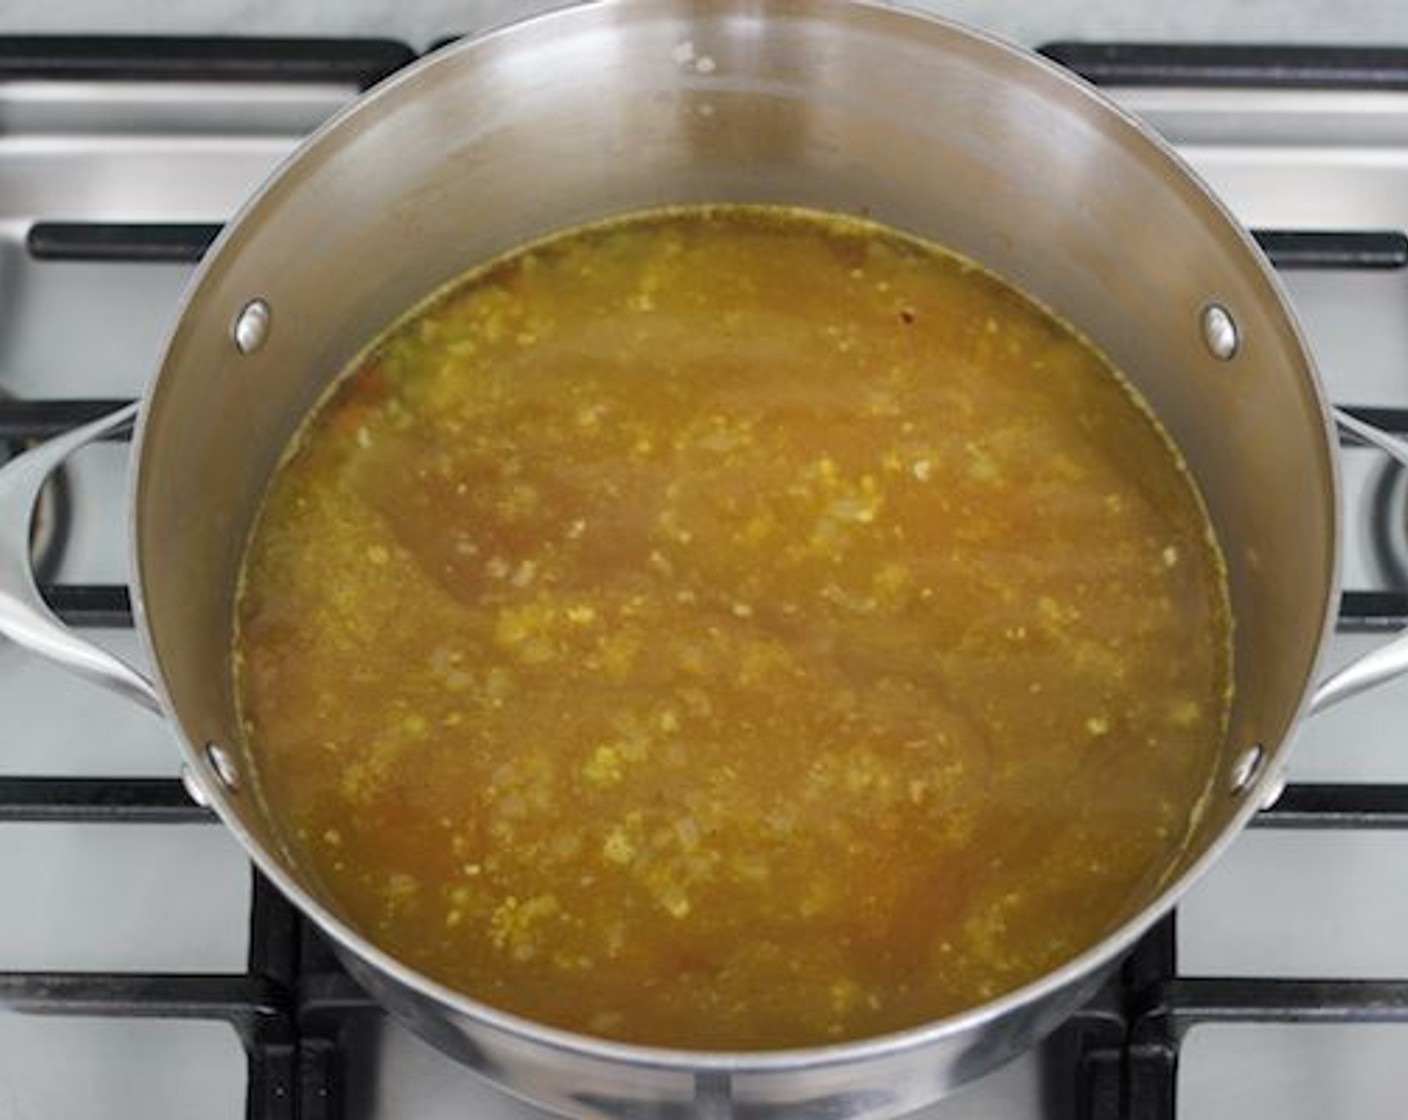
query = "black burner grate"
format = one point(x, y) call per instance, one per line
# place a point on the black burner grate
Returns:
point(1116, 1060)
point(290, 1006)
point(1127, 1069)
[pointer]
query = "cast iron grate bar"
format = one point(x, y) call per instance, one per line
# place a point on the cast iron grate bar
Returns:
point(258, 1009)
point(258, 1005)
point(237, 999)
point(99, 801)
point(1333, 249)
point(329, 1002)
point(1372, 612)
point(1334, 805)
point(1173, 1007)
point(1391, 420)
point(278, 1078)
point(142, 242)
point(1084, 1060)
point(354, 62)
point(1231, 66)
point(27, 421)
point(22, 420)
point(186, 243)
point(1151, 1068)
point(92, 606)
point(108, 606)
point(1164, 1006)
point(164, 800)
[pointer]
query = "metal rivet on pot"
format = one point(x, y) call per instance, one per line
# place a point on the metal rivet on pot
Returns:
point(194, 790)
point(223, 765)
point(1247, 767)
point(251, 326)
point(1220, 332)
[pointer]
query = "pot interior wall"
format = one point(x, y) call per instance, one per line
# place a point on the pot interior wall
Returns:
point(609, 108)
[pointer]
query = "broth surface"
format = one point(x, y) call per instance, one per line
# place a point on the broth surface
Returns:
point(733, 628)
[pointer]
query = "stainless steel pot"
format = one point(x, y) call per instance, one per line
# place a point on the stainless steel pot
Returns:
point(635, 103)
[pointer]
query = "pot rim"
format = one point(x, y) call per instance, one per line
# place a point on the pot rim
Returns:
point(1085, 965)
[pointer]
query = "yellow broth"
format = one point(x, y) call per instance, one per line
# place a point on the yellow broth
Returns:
point(733, 628)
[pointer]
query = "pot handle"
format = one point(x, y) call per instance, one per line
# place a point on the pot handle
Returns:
point(1389, 660)
point(25, 618)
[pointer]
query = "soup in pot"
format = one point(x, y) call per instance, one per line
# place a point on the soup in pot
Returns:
point(733, 628)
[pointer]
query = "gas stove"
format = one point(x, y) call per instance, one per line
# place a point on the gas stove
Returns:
point(155, 974)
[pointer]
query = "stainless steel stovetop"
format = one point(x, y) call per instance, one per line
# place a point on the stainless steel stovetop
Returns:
point(89, 891)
